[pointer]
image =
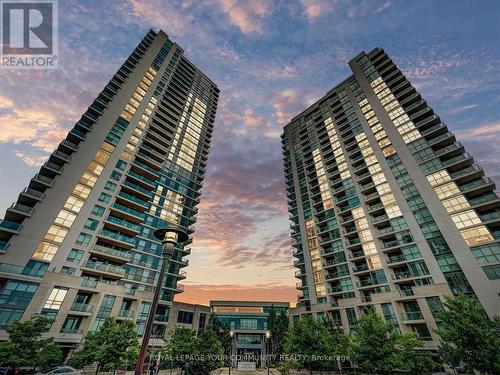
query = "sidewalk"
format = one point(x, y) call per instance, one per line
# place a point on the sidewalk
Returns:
point(225, 371)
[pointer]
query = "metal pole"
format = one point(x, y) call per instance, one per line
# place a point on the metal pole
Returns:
point(167, 252)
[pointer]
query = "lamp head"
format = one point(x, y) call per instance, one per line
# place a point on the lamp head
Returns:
point(268, 334)
point(171, 234)
point(231, 333)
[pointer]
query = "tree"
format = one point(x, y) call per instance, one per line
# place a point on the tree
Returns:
point(278, 327)
point(410, 359)
point(221, 330)
point(311, 343)
point(373, 344)
point(202, 354)
point(113, 344)
point(181, 346)
point(210, 354)
point(469, 335)
point(26, 348)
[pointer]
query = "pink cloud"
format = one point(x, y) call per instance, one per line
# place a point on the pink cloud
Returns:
point(247, 14)
point(202, 294)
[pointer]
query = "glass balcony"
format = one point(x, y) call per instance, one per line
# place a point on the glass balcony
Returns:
point(117, 236)
point(108, 268)
point(124, 223)
point(113, 253)
point(82, 307)
point(129, 314)
point(10, 226)
point(128, 210)
point(32, 193)
point(412, 315)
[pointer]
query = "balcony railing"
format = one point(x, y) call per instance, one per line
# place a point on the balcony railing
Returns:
point(110, 268)
point(82, 307)
point(113, 252)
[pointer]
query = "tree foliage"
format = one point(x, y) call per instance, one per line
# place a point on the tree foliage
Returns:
point(113, 344)
point(311, 343)
point(410, 358)
point(201, 354)
point(373, 344)
point(221, 330)
point(468, 335)
point(278, 327)
point(26, 347)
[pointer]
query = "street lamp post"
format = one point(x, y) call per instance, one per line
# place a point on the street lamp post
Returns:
point(268, 348)
point(231, 334)
point(169, 237)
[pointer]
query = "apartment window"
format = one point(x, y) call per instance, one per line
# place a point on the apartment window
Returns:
point(351, 317)
point(435, 305)
point(110, 186)
point(466, 219)
point(248, 324)
point(98, 210)
point(9, 316)
point(35, 268)
point(56, 298)
point(75, 256)
point(82, 191)
point(91, 224)
point(106, 306)
point(71, 324)
point(493, 273)
point(56, 234)
point(104, 198)
point(45, 251)
point(83, 239)
point(185, 317)
point(144, 310)
point(121, 165)
point(74, 204)
point(68, 270)
point(476, 236)
point(487, 254)
point(17, 293)
point(65, 218)
point(116, 176)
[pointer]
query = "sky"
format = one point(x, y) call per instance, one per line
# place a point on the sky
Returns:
point(271, 59)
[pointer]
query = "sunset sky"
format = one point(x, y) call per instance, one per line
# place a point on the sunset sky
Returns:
point(270, 59)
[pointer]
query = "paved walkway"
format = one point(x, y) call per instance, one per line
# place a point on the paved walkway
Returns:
point(225, 371)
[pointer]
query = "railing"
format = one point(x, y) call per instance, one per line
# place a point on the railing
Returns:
point(88, 282)
point(131, 211)
point(137, 187)
point(53, 166)
point(10, 225)
point(71, 330)
point(124, 223)
point(126, 313)
point(161, 318)
point(21, 208)
point(81, 307)
point(142, 178)
point(105, 267)
point(132, 198)
point(406, 292)
point(412, 315)
point(117, 236)
point(44, 179)
point(33, 193)
point(113, 252)
point(11, 268)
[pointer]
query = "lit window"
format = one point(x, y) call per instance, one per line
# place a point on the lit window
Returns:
point(56, 298)
point(65, 218)
point(466, 219)
point(476, 236)
point(45, 251)
point(438, 178)
point(56, 234)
